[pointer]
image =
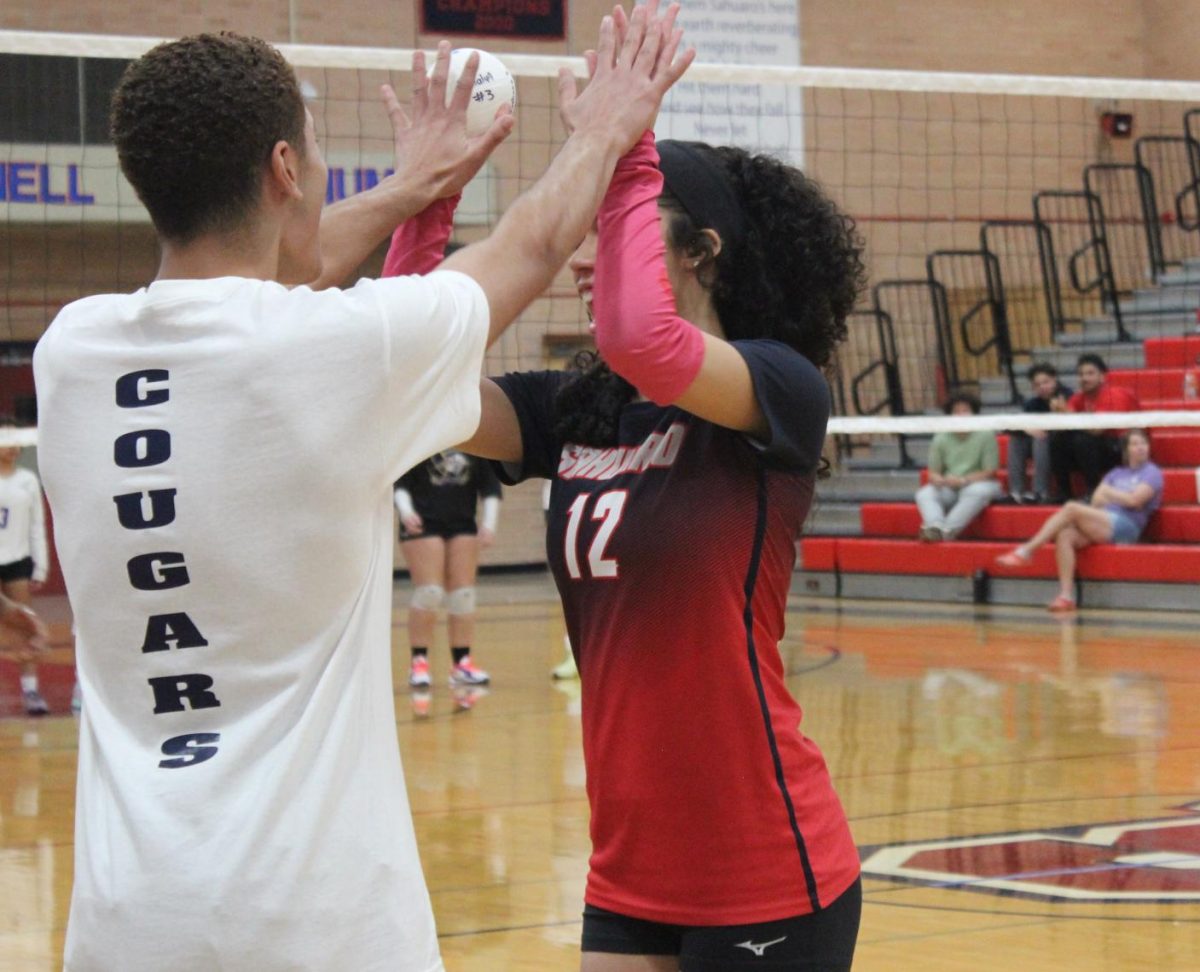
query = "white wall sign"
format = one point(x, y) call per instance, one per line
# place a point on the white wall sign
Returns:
point(764, 118)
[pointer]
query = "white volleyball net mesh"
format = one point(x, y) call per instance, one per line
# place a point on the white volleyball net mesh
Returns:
point(1007, 219)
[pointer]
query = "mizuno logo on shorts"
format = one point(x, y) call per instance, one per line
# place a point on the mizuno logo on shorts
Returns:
point(759, 947)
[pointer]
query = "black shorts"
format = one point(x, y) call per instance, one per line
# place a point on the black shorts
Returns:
point(446, 529)
point(16, 571)
point(821, 941)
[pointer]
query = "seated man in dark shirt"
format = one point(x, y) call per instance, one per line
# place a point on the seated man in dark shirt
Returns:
point(1091, 452)
point(1049, 395)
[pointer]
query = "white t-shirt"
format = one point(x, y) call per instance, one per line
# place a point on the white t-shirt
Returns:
point(219, 456)
point(23, 522)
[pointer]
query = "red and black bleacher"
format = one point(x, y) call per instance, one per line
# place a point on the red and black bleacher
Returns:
point(1169, 552)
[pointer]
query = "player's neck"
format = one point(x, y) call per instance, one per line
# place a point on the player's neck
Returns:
point(695, 306)
point(251, 253)
point(7, 467)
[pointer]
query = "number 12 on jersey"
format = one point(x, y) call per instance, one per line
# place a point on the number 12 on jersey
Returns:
point(608, 508)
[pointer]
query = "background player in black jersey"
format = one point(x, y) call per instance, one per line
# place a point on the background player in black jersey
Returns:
point(437, 502)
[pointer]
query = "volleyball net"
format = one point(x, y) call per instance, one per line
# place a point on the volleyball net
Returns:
point(1007, 219)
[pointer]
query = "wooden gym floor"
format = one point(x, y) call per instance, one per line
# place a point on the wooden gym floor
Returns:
point(1025, 791)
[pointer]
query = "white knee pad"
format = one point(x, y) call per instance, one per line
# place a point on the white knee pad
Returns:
point(461, 601)
point(427, 597)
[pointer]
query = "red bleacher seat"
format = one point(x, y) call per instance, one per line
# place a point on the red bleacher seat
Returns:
point(1171, 524)
point(1154, 563)
point(1150, 384)
point(1179, 485)
point(820, 553)
point(1173, 352)
point(1175, 447)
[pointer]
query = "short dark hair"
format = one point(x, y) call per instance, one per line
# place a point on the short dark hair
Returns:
point(962, 396)
point(1092, 359)
point(195, 121)
point(1041, 368)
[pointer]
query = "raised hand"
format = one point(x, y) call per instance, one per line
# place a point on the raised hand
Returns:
point(432, 148)
point(632, 68)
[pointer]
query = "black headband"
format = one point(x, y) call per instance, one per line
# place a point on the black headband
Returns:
point(693, 175)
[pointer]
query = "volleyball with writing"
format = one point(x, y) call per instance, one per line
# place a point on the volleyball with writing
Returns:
point(494, 86)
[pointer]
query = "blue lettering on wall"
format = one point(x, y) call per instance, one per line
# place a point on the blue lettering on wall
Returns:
point(73, 194)
point(48, 196)
point(360, 179)
point(41, 183)
point(20, 174)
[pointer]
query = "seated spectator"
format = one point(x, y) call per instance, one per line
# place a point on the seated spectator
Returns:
point(1091, 452)
point(962, 476)
point(1049, 395)
point(1120, 508)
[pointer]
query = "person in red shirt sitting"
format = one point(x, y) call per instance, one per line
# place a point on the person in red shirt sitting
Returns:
point(1091, 452)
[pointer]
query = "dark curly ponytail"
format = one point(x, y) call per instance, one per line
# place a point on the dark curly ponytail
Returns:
point(587, 409)
point(797, 272)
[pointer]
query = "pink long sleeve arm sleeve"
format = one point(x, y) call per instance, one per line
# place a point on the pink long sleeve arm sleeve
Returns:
point(638, 331)
point(419, 244)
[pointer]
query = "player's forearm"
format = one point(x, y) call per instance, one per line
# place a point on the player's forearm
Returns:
point(541, 228)
point(404, 503)
point(419, 243)
point(352, 228)
point(491, 513)
point(638, 331)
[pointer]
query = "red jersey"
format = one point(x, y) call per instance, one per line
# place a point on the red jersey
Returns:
point(1107, 398)
point(673, 552)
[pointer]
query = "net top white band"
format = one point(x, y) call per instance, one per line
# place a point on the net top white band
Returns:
point(922, 424)
point(539, 66)
point(1012, 421)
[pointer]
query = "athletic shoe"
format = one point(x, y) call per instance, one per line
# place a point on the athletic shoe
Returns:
point(929, 534)
point(465, 673)
point(35, 705)
point(418, 673)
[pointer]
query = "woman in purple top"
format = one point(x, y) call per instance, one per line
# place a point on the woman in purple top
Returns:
point(1119, 510)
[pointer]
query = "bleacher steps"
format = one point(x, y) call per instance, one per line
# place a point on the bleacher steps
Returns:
point(831, 519)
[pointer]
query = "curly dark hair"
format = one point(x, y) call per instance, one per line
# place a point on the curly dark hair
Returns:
point(794, 277)
point(194, 122)
point(587, 408)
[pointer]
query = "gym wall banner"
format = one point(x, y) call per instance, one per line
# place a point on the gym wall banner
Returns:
point(535, 19)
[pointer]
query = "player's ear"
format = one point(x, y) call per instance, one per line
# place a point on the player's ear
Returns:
point(702, 252)
point(283, 170)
